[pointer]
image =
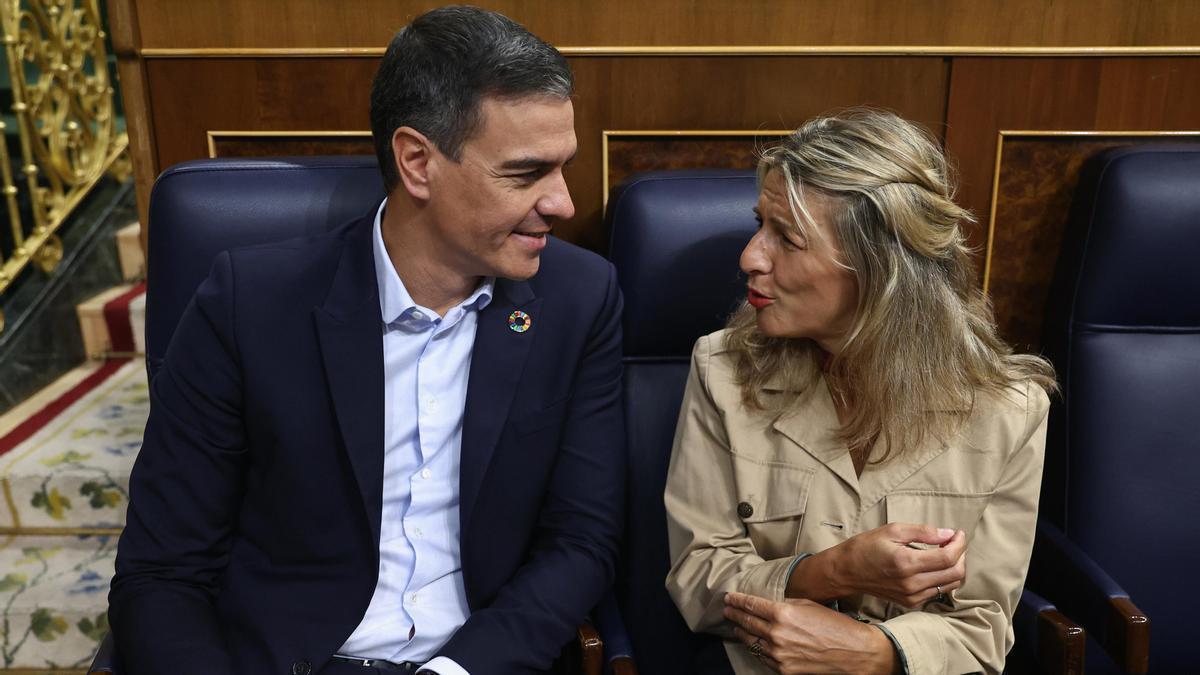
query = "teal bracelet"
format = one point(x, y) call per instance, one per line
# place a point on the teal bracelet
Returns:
point(832, 604)
point(795, 562)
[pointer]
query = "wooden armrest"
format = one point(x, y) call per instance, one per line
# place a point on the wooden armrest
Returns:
point(1062, 644)
point(1129, 630)
point(623, 665)
point(1062, 573)
point(591, 649)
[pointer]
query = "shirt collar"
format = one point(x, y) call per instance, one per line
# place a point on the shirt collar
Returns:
point(394, 299)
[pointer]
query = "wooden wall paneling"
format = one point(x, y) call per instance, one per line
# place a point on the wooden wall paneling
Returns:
point(285, 143)
point(684, 93)
point(135, 99)
point(990, 95)
point(370, 23)
point(254, 95)
point(628, 152)
point(739, 93)
point(1034, 188)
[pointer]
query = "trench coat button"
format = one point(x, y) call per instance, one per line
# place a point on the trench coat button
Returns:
point(301, 668)
point(745, 510)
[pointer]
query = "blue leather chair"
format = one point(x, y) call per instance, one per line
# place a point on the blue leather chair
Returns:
point(675, 241)
point(1123, 330)
point(676, 237)
point(200, 208)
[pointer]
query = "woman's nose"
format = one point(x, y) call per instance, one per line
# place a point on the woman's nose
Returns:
point(754, 258)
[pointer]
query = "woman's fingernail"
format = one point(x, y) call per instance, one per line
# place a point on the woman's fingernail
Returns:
point(945, 532)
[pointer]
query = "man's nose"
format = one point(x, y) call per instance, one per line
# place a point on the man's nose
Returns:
point(556, 203)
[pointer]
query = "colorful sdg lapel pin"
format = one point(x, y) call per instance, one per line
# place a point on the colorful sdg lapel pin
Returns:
point(519, 321)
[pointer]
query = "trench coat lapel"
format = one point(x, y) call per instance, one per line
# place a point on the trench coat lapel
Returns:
point(812, 424)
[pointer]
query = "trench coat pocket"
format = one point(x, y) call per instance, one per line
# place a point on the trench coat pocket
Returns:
point(958, 511)
point(772, 498)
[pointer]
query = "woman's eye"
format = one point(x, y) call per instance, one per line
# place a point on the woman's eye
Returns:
point(758, 219)
point(792, 245)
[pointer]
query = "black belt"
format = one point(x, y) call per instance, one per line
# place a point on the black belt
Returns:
point(403, 666)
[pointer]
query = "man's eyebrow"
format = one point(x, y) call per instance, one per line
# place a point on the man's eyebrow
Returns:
point(529, 163)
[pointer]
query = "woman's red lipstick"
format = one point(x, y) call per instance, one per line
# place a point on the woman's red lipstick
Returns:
point(758, 300)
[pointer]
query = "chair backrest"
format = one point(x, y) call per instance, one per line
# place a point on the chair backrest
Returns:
point(200, 208)
point(1123, 330)
point(676, 239)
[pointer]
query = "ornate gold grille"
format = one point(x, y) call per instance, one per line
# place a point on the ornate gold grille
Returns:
point(63, 104)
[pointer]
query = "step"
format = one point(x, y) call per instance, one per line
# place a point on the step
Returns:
point(65, 469)
point(54, 595)
point(129, 252)
point(107, 323)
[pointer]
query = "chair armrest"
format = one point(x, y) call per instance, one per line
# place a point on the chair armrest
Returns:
point(1047, 637)
point(622, 665)
point(591, 649)
point(105, 661)
point(1082, 590)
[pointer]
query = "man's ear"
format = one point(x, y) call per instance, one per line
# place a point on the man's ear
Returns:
point(412, 152)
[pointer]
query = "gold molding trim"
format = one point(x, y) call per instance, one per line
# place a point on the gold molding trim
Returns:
point(213, 136)
point(59, 532)
point(667, 133)
point(696, 50)
point(1041, 133)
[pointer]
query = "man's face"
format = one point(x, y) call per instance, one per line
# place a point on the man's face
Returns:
point(493, 209)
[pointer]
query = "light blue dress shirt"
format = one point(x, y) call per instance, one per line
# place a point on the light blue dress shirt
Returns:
point(419, 599)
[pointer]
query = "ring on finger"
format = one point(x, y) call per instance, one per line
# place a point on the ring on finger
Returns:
point(939, 590)
point(755, 647)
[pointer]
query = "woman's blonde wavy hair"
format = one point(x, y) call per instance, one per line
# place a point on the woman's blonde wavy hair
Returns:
point(923, 343)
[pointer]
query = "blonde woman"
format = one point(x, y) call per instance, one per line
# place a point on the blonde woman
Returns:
point(855, 475)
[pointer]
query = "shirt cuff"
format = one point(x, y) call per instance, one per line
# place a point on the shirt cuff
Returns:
point(442, 665)
point(896, 644)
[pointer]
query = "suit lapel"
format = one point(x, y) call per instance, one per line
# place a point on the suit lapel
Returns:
point(497, 362)
point(350, 334)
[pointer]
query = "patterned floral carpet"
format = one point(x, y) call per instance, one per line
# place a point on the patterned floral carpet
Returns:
point(65, 487)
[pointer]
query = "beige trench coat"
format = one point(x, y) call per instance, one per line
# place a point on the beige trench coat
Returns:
point(797, 484)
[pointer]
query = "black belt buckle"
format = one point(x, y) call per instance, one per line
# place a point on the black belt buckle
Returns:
point(402, 667)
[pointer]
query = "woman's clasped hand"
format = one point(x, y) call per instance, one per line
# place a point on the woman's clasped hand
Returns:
point(904, 563)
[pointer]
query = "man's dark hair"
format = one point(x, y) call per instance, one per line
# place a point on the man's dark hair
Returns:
point(438, 69)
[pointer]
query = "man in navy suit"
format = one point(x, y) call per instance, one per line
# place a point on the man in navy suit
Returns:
point(398, 446)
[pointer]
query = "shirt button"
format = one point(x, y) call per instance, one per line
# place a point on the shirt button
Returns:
point(417, 532)
point(426, 473)
point(413, 598)
point(418, 315)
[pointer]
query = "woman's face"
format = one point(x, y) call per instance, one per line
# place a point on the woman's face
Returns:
point(796, 285)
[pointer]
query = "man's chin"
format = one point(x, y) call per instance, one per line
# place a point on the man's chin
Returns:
point(521, 271)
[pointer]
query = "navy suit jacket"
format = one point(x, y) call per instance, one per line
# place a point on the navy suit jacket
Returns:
point(252, 543)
